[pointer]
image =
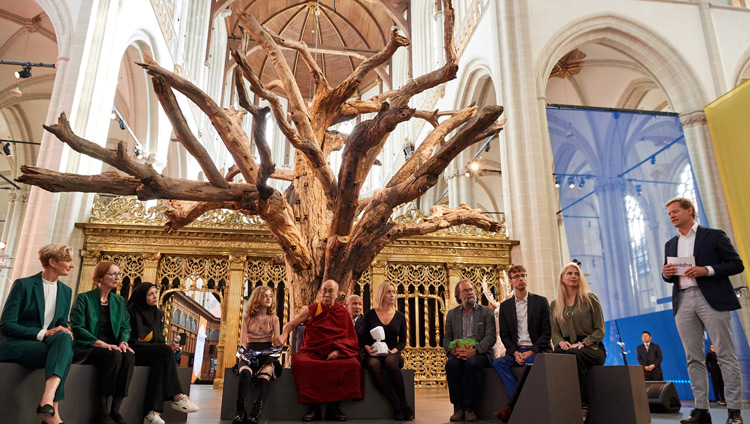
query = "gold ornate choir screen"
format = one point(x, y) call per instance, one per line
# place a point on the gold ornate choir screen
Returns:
point(228, 254)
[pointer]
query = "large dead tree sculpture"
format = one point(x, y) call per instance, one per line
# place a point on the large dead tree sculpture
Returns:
point(323, 226)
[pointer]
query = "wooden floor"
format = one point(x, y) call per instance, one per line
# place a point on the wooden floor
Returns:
point(432, 406)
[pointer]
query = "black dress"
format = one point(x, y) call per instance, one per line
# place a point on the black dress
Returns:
point(386, 369)
point(147, 341)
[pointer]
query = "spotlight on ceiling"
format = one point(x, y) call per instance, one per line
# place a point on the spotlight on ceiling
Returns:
point(571, 183)
point(25, 72)
point(557, 182)
point(6, 149)
point(583, 183)
point(16, 92)
point(122, 124)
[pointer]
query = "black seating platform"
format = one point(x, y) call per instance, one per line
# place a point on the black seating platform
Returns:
point(282, 399)
point(21, 389)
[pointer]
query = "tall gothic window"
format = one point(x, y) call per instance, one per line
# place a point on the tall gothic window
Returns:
point(637, 228)
point(687, 185)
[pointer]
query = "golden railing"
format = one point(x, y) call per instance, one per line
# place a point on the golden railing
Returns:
point(229, 253)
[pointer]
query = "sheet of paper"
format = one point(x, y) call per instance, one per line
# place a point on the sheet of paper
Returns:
point(682, 262)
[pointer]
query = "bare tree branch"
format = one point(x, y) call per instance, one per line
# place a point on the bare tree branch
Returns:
point(184, 135)
point(426, 148)
point(226, 125)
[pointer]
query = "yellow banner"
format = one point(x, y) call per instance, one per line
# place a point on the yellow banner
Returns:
point(729, 123)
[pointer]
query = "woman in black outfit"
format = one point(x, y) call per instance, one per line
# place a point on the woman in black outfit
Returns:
point(386, 369)
point(147, 340)
point(712, 363)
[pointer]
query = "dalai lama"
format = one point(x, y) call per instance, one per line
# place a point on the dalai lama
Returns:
point(326, 368)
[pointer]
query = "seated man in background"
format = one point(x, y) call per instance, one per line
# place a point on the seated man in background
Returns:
point(472, 324)
point(354, 306)
point(525, 331)
point(327, 366)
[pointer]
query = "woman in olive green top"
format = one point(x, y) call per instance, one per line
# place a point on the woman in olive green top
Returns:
point(101, 329)
point(578, 324)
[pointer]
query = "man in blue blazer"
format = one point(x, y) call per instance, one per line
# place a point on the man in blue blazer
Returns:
point(702, 299)
point(465, 365)
point(34, 326)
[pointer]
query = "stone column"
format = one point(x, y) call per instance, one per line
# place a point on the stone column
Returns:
point(231, 316)
point(529, 194)
point(89, 259)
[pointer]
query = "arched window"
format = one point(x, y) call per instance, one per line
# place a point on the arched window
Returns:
point(637, 230)
point(686, 188)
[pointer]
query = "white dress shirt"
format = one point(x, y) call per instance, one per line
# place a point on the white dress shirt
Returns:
point(686, 247)
point(50, 300)
point(522, 321)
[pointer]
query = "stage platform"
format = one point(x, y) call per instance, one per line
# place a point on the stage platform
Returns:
point(432, 406)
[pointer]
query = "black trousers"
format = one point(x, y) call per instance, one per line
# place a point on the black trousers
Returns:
point(465, 380)
point(586, 357)
point(115, 370)
point(655, 375)
point(163, 383)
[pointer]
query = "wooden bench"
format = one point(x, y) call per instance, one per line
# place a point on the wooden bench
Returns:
point(282, 399)
point(21, 389)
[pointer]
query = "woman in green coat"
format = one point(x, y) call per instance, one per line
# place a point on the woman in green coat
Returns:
point(101, 327)
point(34, 326)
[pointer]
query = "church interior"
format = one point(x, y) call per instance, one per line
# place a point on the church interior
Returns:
point(607, 111)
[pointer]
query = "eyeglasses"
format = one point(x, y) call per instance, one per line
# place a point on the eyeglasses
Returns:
point(517, 276)
point(114, 274)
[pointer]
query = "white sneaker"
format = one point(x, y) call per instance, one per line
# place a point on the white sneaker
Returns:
point(153, 418)
point(184, 404)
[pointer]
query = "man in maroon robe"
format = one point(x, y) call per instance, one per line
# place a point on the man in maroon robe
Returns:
point(327, 366)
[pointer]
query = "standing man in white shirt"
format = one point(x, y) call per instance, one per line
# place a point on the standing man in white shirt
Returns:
point(701, 300)
point(525, 331)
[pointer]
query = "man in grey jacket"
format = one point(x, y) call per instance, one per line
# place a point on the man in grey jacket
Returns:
point(465, 365)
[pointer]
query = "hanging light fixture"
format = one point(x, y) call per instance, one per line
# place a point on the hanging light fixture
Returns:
point(25, 72)
point(16, 92)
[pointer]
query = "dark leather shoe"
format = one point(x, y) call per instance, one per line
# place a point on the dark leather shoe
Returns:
point(503, 414)
point(734, 417)
point(697, 416)
point(118, 418)
point(408, 413)
point(313, 414)
point(458, 415)
point(46, 410)
point(335, 414)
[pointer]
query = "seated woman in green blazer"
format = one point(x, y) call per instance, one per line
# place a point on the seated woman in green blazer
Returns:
point(101, 327)
point(34, 326)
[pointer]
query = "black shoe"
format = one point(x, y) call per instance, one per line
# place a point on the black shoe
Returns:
point(333, 413)
point(118, 418)
point(698, 416)
point(734, 417)
point(313, 414)
point(240, 418)
point(408, 413)
point(255, 413)
point(104, 420)
point(46, 410)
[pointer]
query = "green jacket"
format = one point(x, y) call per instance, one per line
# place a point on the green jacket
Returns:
point(23, 314)
point(85, 317)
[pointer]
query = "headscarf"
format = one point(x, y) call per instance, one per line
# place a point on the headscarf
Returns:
point(145, 318)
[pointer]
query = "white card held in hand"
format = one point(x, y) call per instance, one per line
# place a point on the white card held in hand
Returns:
point(682, 262)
